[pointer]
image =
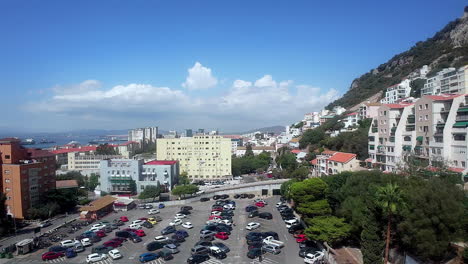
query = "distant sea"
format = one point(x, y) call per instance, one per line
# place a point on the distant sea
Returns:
point(83, 140)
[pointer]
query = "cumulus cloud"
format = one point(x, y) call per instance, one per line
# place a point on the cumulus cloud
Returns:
point(246, 104)
point(199, 77)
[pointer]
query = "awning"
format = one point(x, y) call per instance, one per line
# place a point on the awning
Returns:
point(420, 138)
point(406, 148)
point(461, 124)
point(463, 109)
point(371, 147)
point(418, 147)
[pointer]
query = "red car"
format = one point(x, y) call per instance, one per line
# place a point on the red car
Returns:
point(298, 233)
point(143, 218)
point(123, 218)
point(222, 235)
point(214, 216)
point(52, 255)
point(260, 204)
point(120, 239)
point(140, 233)
point(100, 233)
point(112, 243)
point(301, 238)
point(129, 230)
point(219, 209)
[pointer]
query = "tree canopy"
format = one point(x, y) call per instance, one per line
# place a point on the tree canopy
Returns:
point(106, 149)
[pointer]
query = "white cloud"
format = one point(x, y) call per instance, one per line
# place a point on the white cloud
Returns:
point(246, 104)
point(199, 77)
point(77, 88)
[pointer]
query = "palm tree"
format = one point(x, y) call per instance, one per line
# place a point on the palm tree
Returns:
point(390, 199)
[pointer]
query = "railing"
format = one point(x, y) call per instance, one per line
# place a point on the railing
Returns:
point(461, 118)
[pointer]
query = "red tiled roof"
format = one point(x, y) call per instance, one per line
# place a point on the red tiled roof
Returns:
point(397, 106)
point(342, 157)
point(232, 136)
point(368, 160)
point(62, 151)
point(313, 162)
point(38, 153)
point(351, 114)
point(295, 151)
point(66, 184)
point(128, 143)
point(443, 97)
point(456, 169)
point(161, 162)
point(328, 152)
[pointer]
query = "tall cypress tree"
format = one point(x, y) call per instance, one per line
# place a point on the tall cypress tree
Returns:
point(371, 241)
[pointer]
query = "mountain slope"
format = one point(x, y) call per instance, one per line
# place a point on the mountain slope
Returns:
point(447, 48)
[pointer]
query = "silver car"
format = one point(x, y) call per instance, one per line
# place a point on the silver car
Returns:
point(272, 249)
point(172, 248)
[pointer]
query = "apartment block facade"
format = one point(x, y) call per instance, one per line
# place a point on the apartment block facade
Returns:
point(116, 175)
point(87, 163)
point(201, 156)
point(433, 130)
point(447, 81)
point(25, 175)
point(397, 92)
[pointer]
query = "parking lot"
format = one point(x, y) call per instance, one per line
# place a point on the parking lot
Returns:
point(198, 217)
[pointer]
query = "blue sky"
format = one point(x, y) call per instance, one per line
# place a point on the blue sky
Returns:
point(122, 64)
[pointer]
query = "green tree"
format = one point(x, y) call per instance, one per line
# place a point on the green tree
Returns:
point(311, 136)
point(300, 173)
point(287, 161)
point(150, 191)
point(371, 242)
point(390, 199)
point(248, 151)
point(308, 190)
point(330, 229)
point(5, 223)
point(315, 208)
point(285, 188)
point(182, 190)
point(106, 149)
point(183, 178)
point(133, 187)
point(93, 181)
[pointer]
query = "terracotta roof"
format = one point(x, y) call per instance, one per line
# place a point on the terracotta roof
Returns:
point(351, 114)
point(99, 203)
point(397, 106)
point(373, 104)
point(328, 152)
point(38, 153)
point(80, 149)
point(369, 160)
point(342, 157)
point(456, 169)
point(294, 140)
point(232, 136)
point(443, 97)
point(296, 151)
point(128, 143)
point(161, 162)
point(313, 162)
point(66, 184)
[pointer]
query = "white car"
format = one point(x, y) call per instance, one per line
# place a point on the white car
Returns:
point(216, 213)
point(115, 254)
point(175, 222)
point(100, 226)
point(187, 225)
point(161, 238)
point(94, 229)
point(226, 222)
point(252, 225)
point(278, 204)
point(213, 221)
point(86, 242)
point(135, 226)
point(153, 211)
point(138, 222)
point(229, 206)
point(67, 243)
point(180, 216)
point(95, 257)
point(313, 258)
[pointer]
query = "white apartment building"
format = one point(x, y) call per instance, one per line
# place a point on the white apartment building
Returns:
point(368, 110)
point(338, 110)
point(79, 161)
point(333, 162)
point(433, 129)
point(397, 92)
point(351, 120)
point(144, 136)
point(201, 156)
point(447, 81)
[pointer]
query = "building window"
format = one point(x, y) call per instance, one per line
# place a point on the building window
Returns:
point(7, 180)
point(7, 156)
point(7, 171)
point(420, 107)
point(426, 106)
point(142, 187)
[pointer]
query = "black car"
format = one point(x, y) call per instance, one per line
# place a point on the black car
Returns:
point(225, 226)
point(168, 230)
point(186, 208)
point(135, 238)
point(224, 196)
point(223, 229)
point(254, 240)
point(152, 246)
point(222, 247)
point(195, 259)
point(254, 253)
point(147, 224)
point(184, 212)
point(170, 241)
point(251, 235)
point(118, 222)
point(256, 244)
point(250, 208)
point(309, 243)
point(204, 243)
point(205, 199)
point(253, 214)
point(295, 228)
point(178, 238)
point(101, 249)
point(125, 234)
point(273, 234)
point(210, 227)
point(165, 254)
point(265, 215)
point(243, 196)
point(216, 197)
point(251, 196)
point(57, 249)
point(237, 196)
point(218, 254)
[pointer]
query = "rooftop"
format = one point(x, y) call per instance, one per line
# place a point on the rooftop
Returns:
point(397, 106)
point(80, 149)
point(352, 114)
point(66, 184)
point(258, 148)
point(99, 203)
point(443, 97)
point(161, 162)
point(342, 157)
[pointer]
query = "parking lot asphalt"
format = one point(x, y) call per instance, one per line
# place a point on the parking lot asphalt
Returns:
point(198, 217)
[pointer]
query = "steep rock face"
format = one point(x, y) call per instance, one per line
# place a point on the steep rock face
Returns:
point(447, 48)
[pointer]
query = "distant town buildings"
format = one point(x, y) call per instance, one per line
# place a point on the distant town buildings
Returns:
point(87, 164)
point(397, 92)
point(25, 175)
point(255, 149)
point(117, 175)
point(144, 136)
point(201, 156)
point(447, 81)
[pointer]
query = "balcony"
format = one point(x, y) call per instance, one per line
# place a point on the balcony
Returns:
point(406, 148)
point(392, 139)
point(375, 129)
point(461, 124)
point(411, 119)
point(410, 127)
point(461, 118)
point(462, 108)
point(440, 125)
point(444, 110)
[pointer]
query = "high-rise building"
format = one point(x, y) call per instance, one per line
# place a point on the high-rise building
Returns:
point(145, 136)
point(447, 81)
point(188, 132)
point(201, 156)
point(25, 175)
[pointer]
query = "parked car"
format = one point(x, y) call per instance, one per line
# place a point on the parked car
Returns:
point(222, 247)
point(147, 225)
point(45, 224)
point(301, 238)
point(187, 225)
point(271, 249)
point(135, 226)
point(222, 235)
point(260, 204)
point(152, 220)
point(252, 225)
point(270, 233)
point(152, 246)
point(52, 255)
point(95, 257)
point(148, 206)
point(182, 233)
point(145, 257)
point(175, 222)
point(153, 211)
point(216, 197)
point(86, 242)
point(186, 208)
point(253, 214)
point(217, 253)
point(178, 238)
point(196, 259)
point(265, 215)
point(165, 254)
point(254, 253)
point(112, 243)
point(250, 208)
point(307, 250)
point(58, 249)
point(179, 216)
point(140, 233)
point(204, 243)
point(101, 249)
point(200, 250)
point(161, 206)
point(168, 230)
point(205, 199)
point(123, 218)
point(314, 258)
point(115, 254)
point(67, 243)
point(172, 248)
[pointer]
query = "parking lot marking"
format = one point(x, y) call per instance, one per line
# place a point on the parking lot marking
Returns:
point(212, 261)
point(264, 260)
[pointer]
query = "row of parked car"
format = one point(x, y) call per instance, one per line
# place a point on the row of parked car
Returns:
point(218, 226)
point(226, 196)
point(308, 249)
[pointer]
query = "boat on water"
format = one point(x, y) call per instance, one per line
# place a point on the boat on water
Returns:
point(45, 141)
point(28, 141)
point(93, 142)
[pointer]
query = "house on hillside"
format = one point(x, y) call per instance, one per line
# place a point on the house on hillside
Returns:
point(334, 162)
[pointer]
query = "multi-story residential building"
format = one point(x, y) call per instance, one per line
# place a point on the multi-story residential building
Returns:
point(25, 175)
point(144, 136)
point(397, 92)
point(255, 149)
point(201, 156)
point(61, 155)
point(127, 149)
point(338, 110)
point(447, 81)
point(351, 120)
point(87, 164)
point(236, 141)
point(368, 110)
point(116, 175)
point(333, 162)
point(433, 130)
point(325, 118)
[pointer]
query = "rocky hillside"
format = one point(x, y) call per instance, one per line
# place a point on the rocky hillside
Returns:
point(447, 48)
